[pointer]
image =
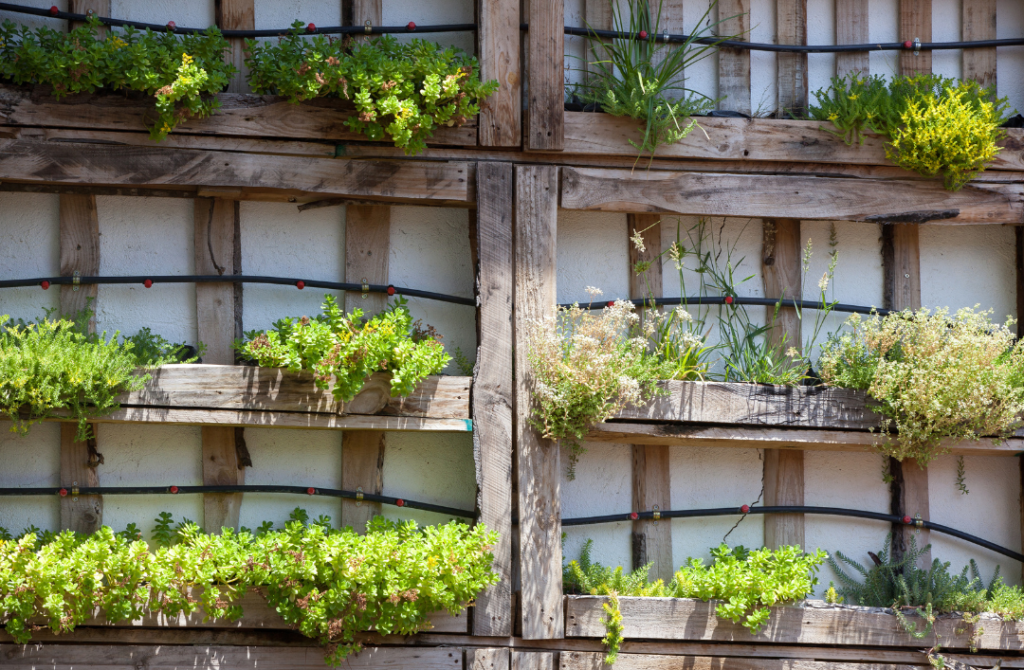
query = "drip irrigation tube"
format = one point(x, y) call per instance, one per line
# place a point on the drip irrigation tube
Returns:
point(246, 488)
point(804, 509)
point(150, 280)
point(736, 300)
point(271, 32)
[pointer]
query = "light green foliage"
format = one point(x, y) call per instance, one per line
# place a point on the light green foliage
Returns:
point(935, 125)
point(180, 71)
point(933, 375)
point(331, 584)
point(347, 349)
point(402, 91)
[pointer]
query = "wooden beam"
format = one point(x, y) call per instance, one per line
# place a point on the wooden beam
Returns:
point(734, 64)
point(366, 10)
point(488, 658)
point(791, 27)
point(852, 28)
point(589, 660)
point(493, 387)
point(96, 7)
point(546, 87)
point(793, 197)
point(534, 660)
point(915, 23)
point(498, 45)
point(237, 418)
point(597, 15)
point(236, 15)
point(979, 23)
point(539, 462)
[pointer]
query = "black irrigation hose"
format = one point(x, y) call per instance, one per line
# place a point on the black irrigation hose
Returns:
point(46, 282)
point(332, 30)
point(736, 300)
point(831, 511)
point(246, 488)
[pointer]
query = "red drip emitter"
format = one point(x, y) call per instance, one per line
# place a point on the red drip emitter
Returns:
point(63, 493)
point(300, 284)
point(45, 284)
point(311, 491)
point(745, 509)
point(148, 283)
point(391, 290)
point(174, 489)
point(400, 502)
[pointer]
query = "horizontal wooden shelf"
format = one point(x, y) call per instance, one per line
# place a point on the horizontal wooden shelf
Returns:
point(812, 623)
point(235, 395)
point(761, 416)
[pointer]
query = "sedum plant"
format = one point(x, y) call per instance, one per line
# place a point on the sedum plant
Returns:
point(330, 584)
point(404, 91)
point(933, 375)
point(182, 72)
point(346, 349)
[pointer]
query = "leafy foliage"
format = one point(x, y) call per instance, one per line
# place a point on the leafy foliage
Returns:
point(404, 91)
point(933, 375)
point(179, 71)
point(330, 584)
point(935, 125)
point(346, 349)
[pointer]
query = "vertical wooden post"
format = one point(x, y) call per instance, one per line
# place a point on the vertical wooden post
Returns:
point(652, 540)
point(492, 387)
point(783, 468)
point(791, 24)
point(367, 241)
point(979, 23)
point(216, 250)
point(97, 7)
point(539, 462)
point(734, 64)
point(852, 28)
point(498, 41)
point(236, 15)
point(598, 15)
point(916, 23)
point(546, 122)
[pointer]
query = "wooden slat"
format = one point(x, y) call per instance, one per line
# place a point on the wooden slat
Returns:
point(221, 468)
point(546, 86)
point(539, 462)
point(979, 23)
point(852, 28)
point(791, 28)
point(97, 7)
point(584, 660)
point(813, 623)
point(733, 64)
point(488, 658)
point(236, 15)
point(707, 194)
point(783, 485)
point(88, 164)
point(915, 22)
point(498, 44)
point(534, 660)
point(80, 513)
point(492, 388)
point(247, 418)
point(598, 15)
point(366, 10)
point(215, 245)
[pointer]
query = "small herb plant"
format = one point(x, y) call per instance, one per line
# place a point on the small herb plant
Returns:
point(181, 72)
point(935, 125)
point(346, 349)
point(401, 91)
point(330, 584)
point(934, 376)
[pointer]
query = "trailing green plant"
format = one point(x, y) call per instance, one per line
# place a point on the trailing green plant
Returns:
point(643, 79)
point(934, 125)
point(346, 349)
point(404, 91)
point(933, 375)
point(182, 72)
point(330, 584)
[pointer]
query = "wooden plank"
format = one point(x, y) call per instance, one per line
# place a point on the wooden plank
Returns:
point(814, 622)
point(146, 166)
point(97, 7)
point(598, 15)
point(498, 45)
point(80, 513)
point(539, 462)
point(584, 660)
point(534, 660)
point(791, 68)
point(979, 23)
point(546, 87)
point(708, 194)
point(236, 15)
point(915, 23)
point(246, 418)
point(221, 467)
point(733, 64)
point(492, 388)
point(488, 658)
point(215, 244)
point(852, 28)
point(366, 10)
point(783, 485)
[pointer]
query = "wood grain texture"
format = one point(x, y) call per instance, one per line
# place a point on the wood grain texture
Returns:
point(534, 660)
point(598, 15)
point(145, 166)
point(791, 68)
point(852, 28)
point(80, 513)
point(733, 64)
point(914, 503)
point(221, 468)
point(97, 7)
point(546, 86)
point(498, 46)
point(362, 469)
point(488, 658)
point(539, 462)
point(812, 623)
point(791, 197)
point(915, 22)
point(215, 246)
point(783, 485)
point(979, 23)
point(493, 388)
point(236, 15)
point(588, 660)
point(781, 268)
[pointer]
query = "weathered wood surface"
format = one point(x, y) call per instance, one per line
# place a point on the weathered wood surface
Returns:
point(583, 660)
point(545, 124)
point(813, 623)
point(488, 658)
point(256, 418)
point(498, 47)
point(235, 15)
point(534, 660)
point(791, 68)
point(979, 23)
point(915, 23)
point(80, 164)
point(240, 114)
point(751, 140)
point(792, 197)
point(852, 28)
point(80, 513)
point(733, 64)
